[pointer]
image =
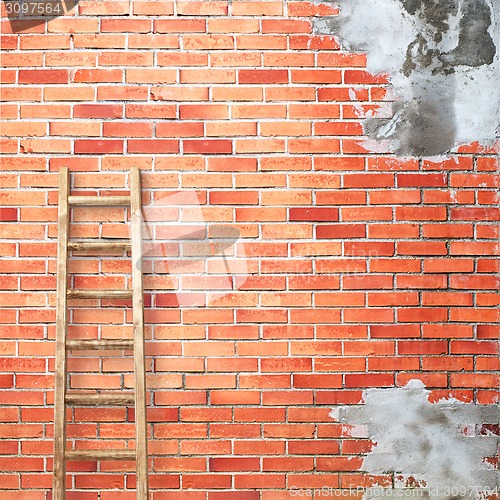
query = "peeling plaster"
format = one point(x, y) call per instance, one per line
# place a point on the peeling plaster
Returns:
point(442, 56)
point(434, 446)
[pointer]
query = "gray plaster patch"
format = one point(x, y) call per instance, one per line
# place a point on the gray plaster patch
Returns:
point(442, 56)
point(434, 446)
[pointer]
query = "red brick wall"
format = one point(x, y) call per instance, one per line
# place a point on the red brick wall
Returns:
point(352, 269)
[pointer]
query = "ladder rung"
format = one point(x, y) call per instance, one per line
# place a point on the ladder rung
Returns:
point(99, 294)
point(100, 399)
point(82, 246)
point(99, 455)
point(87, 345)
point(101, 201)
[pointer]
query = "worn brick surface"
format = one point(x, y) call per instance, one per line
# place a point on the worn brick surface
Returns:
point(348, 268)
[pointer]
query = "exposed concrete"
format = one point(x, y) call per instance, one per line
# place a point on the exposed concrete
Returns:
point(435, 446)
point(443, 59)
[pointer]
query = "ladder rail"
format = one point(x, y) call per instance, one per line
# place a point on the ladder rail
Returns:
point(59, 486)
point(138, 320)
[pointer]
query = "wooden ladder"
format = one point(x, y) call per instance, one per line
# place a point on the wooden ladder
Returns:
point(63, 344)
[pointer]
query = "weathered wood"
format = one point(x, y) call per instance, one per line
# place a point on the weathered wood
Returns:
point(141, 443)
point(100, 455)
point(105, 345)
point(138, 397)
point(99, 246)
point(59, 482)
point(99, 294)
point(100, 201)
point(100, 399)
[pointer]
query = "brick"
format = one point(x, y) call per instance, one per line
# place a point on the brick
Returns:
point(258, 111)
point(281, 59)
point(91, 146)
point(233, 25)
point(76, 25)
point(68, 93)
point(288, 464)
point(97, 8)
point(208, 42)
point(202, 8)
point(340, 365)
point(286, 26)
point(153, 8)
point(98, 41)
point(45, 146)
point(474, 282)
point(420, 213)
point(474, 248)
point(22, 94)
point(123, 93)
point(340, 197)
point(489, 214)
point(262, 76)
point(445, 331)
point(257, 8)
point(421, 248)
point(285, 129)
point(45, 76)
point(260, 180)
point(234, 464)
point(338, 128)
point(213, 146)
point(207, 76)
point(87, 128)
point(363, 77)
point(473, 380)
point(290, 94)
point(31, 129)
point(316, 76)
point(98, 111)
point(447, 230)
point(419, 180)
point(341, 231)
point(68, 59)
point(8, 214)
point(176, 59)
point(45, 111)
point(8, 111)
point(369, 380)
point(211, 112)
point(260, 145)
point(313, 146)
point(126, 25)
point(125, 129)
point(144, 41)
point(180, 25)
point(322, 110)
point(300, 9)
point(342, 59)
point(8, 42)
point(125, 58)
point(209, 480)
point(239, 93)
point(313, 214)
point(8, 145)
point(369, 316)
